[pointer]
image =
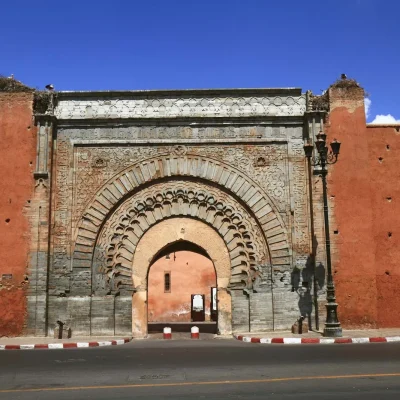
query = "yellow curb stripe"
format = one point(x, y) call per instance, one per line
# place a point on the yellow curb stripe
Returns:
point(145, 385)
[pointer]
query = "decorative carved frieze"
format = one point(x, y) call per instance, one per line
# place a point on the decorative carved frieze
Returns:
point(301, 238)
point(147, 106)
point(179, 133)
point(44, 135)
point(271, 175)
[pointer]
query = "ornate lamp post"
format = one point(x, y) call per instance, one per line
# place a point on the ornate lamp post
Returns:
point(325, 157)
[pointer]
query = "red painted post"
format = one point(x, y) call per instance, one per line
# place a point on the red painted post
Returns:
point(195, 334)
point(167, 333)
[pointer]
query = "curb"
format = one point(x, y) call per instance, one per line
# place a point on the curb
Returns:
point(249, 339)
point(63, 345)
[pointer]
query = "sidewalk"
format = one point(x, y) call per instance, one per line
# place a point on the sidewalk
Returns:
point(313, 337)
point(30, 343)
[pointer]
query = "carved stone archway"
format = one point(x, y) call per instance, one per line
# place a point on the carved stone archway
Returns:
point(160, 236)
point(204, 169)
point(199, 188)
point(118, 240)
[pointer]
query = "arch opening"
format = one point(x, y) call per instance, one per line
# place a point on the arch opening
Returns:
point(181, 289)
point(181, 245)
point(176, 233)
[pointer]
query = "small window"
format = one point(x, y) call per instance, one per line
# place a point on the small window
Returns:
point(167, 282)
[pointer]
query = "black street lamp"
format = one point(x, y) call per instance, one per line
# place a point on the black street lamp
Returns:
point(325, 157)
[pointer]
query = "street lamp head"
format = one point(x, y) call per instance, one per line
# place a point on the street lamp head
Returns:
point(320, 144)
point(321, 136)
point(335, 146)
point(308, 149)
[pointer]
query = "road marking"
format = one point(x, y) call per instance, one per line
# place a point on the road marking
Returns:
point(292, 340)
point(360, 340)
point(327, 341)
point(27, 346)
point(55, 345)
point(144, 385)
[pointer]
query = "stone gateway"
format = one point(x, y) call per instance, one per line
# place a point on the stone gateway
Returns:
point(120, 177)
point(136, 171)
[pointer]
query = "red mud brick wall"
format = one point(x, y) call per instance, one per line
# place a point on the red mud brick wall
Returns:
point(384, 169)
point(17, 163)
point(365, 208)
point(191, 273)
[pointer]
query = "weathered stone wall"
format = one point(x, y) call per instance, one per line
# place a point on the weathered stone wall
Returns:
point(17, 163)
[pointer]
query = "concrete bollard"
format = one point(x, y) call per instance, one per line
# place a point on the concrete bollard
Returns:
point(167, 333)
point(195, 332)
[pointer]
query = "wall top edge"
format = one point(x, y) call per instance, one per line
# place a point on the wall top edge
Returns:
point(393, 125)
point(183, 105)
point(184, 92)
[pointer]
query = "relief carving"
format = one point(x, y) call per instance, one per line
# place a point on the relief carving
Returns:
point(299, 188)
point(270, 172)
point(137, 106)
point(119, 237)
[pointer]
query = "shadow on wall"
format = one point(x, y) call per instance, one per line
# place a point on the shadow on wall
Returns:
point(307, 282)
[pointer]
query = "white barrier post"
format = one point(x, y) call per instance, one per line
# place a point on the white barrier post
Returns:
point(195, 332)
point(167, 333)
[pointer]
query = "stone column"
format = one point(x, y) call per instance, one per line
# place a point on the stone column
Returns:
point(224, 312)
point(139, 314)
point(39, 216)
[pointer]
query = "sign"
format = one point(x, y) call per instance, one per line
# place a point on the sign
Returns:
point(214, 298)
point(198, 302)
point(198, 312)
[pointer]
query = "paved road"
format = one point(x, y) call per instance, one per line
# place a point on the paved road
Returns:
point(216, 369)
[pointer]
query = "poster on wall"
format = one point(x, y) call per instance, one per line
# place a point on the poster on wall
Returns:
point(198, 309)
point(214, 304)
point(214, 298)
point(198, 302)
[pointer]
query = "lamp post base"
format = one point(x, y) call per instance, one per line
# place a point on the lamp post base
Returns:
point(332, 324)
point(333, 331)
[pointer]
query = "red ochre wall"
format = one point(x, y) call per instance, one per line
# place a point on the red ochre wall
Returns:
point(364, 189)
point(191, 273)
point(17, 161)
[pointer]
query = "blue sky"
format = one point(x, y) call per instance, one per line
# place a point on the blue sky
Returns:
point(155, 44)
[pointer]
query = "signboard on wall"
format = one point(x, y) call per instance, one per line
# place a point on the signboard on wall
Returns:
point(198, 309)
point(214, 299)
point(197, 302)
point(214, 304)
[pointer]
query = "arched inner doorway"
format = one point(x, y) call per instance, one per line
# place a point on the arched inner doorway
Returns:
point(160, 237)
point(181, 291)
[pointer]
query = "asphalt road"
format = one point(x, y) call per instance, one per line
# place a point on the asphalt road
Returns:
point(215, 369)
